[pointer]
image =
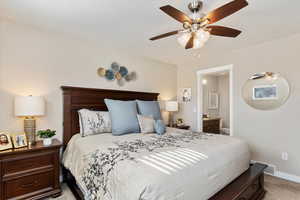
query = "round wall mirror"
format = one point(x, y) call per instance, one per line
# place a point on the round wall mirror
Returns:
point(266, 91)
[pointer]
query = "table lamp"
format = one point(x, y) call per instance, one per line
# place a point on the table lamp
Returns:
point(29, 107)
point(171, 106)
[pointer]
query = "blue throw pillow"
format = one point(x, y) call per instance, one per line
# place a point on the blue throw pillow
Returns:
point(159, 127)
point(123, 116)
point(149, 108)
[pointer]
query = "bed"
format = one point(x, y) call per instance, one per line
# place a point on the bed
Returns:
point(197, 167)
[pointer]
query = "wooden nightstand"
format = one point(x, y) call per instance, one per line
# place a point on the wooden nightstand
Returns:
point(211, 125)
point(30, 173)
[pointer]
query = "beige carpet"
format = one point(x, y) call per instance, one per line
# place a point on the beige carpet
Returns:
point(277, 189)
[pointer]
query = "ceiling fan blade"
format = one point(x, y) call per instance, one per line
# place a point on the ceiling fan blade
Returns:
point(226, 10)
point(164, 35)
point(223, 31)
point(176, 14)
point(190, 43)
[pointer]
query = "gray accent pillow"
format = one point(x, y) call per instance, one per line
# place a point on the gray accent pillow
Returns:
point(149, 108)
point(123, 116)
point(93, 122)
point(146, 124)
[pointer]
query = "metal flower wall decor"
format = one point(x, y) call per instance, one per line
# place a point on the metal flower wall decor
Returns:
point(117, 72)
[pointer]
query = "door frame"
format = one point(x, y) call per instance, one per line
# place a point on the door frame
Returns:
point(200, 74)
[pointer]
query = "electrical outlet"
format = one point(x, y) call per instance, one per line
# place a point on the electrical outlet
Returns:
point(284, 156)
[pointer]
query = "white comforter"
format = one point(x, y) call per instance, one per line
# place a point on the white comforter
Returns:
point(194, 170)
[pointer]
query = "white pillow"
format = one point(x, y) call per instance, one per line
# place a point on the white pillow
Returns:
point(94, 122)
point(146, 124)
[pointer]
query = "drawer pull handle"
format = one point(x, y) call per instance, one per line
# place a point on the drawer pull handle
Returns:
point(27, 185)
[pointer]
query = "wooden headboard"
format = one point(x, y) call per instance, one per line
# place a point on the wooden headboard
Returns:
point(76, 98)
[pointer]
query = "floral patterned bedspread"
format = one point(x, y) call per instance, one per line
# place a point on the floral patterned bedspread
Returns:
point(153, 167)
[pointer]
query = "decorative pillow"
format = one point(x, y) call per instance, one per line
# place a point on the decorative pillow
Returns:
point(123, 116)
point(160, 127)
point(93, 122)
point(146, 124)
point(149, 108)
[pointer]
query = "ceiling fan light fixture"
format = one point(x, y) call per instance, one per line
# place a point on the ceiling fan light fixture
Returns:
point(203, 35)
point(198, 44)
point(183, 38)
point(200, 39)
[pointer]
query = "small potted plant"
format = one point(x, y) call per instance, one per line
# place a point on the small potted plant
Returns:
point(46, 135)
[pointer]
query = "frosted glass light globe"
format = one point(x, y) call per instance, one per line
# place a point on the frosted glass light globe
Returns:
point(184, 38)
point(200, 39)
point(202, 35)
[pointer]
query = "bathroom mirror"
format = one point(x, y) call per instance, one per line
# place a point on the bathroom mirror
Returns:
point(266, 91)
point(213, 100)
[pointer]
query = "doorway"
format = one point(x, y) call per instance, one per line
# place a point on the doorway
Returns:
point(215, 100)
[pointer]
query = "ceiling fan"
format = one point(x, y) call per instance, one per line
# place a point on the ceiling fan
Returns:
point(197, 28)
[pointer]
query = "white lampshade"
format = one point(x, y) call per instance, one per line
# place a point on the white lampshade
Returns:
point(29, 106)
point(171, 106)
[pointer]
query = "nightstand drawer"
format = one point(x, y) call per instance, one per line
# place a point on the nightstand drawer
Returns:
point(29, 185)
point(30, 172)
point(31, 162)
point(212, 122)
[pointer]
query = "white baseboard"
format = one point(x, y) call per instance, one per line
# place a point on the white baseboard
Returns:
point(279, 174)
point(286, 176)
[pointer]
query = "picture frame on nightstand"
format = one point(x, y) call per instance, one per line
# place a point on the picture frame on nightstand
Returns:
point(19, 140)
point(5, 141)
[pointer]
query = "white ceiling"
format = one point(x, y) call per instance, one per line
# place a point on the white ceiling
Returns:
point(130, 23)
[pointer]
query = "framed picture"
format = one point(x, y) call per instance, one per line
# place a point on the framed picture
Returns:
point(213, 100)
point(265, 92)
point(5, 141)
point(186, 94)
point(19, 140)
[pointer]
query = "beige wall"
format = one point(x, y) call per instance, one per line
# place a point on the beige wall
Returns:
point(268, 132)
point(38, 63)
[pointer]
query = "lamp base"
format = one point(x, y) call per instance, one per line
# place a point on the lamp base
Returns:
point(171, 120)
point(29, 129)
